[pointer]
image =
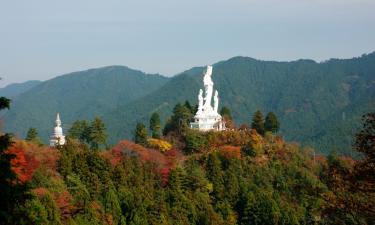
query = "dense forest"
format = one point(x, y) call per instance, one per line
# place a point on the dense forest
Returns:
point(175, 175)
point(320, 104)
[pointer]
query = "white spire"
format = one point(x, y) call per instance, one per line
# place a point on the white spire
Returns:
point(58, 137)
point(58, 121)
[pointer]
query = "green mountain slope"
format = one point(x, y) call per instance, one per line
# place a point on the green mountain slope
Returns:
point(319, 104)
point(309, 98)
point(13, 90)
point(79, 95)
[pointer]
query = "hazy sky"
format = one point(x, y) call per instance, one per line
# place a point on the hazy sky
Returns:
point(41, 39)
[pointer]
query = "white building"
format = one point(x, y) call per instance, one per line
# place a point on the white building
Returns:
point(207, 117)
point(58, 137)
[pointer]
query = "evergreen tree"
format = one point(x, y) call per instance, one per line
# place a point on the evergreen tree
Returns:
point(32, 136)
point(80, 130)
point(271, 124)
point(140, 134)
point(179, 121)
point(258, 122)
point(155, 125)
point(12, 194)
point(181, 117)
point(7, 176)
point(98, 134)
point(365, 144)
point(189, 107)
point(112, 205)
point(225, 111)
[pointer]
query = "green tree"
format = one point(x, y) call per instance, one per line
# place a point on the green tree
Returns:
point(80, 130)
point(365, 144)
point(155, 125)
point(8, 187)
point(189, 107)
point(258, 122)
point(34, 212)
point(225, 111)
point(98, 134)
point(32, 136)
point(180, 119)
point(112, 205)
point(271, 124)
point(140, 134)
point(195, 141)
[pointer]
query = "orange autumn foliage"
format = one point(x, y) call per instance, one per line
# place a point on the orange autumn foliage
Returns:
point(23, 164)
point(230, 152)
point(44, 155)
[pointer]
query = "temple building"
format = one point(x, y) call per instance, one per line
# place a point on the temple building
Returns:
point(207, 117)
point(58, 137)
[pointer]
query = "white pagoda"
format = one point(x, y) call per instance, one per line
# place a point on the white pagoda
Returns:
point(207, 118)
point(58, 137)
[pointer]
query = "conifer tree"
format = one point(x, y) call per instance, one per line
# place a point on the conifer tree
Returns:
point(225, 111)
point(365, 144)
point(32, 136)
point(258, 122)
point(80, 130)
point(271, 123)
point(155, 125)
point(11, 193)
point(140, 134)
point(98, 134)
point(179, 121)
point(189, 107)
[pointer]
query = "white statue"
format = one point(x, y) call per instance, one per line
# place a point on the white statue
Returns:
point(216, 101)
point(207, 117)
point(208, 86)
point(200, 101)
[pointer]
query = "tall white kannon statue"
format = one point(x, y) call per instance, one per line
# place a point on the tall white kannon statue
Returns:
point(208, 87)
point(58, 137)
point(207, 117)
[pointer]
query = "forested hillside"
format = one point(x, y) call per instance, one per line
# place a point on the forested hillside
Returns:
point(79, 95)
point(319, 104)
point(186, 177)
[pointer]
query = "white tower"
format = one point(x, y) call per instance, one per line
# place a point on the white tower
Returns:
point(58, 137)
point(207, 117)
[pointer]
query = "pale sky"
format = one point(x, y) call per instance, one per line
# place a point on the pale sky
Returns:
point(40, 39)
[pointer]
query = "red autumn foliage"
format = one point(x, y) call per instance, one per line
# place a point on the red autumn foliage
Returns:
point(40, 192)
point(23, 164)
point(46, 156)
point(230, 152)
point(114, 156)
point(63, 201)
point(127, 148)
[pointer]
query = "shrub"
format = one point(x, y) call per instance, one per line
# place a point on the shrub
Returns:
point(161, 145)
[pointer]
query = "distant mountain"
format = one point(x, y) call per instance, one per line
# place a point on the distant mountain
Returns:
point(13, 90)
point(319, 104)
point(78, 95)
